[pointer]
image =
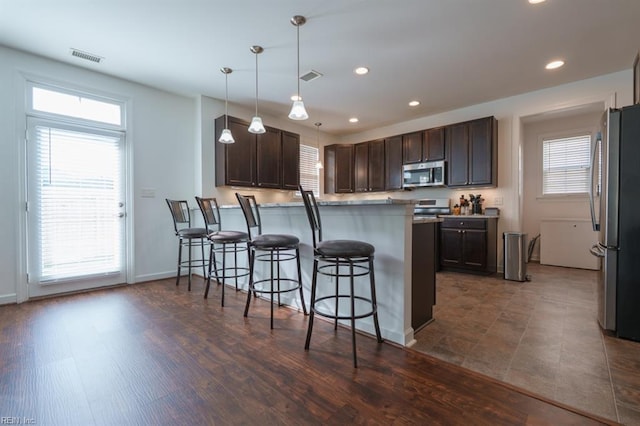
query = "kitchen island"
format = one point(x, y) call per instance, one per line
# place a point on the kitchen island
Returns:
point(387, 224)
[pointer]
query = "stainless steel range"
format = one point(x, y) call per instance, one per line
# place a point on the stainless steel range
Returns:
point(432, 207)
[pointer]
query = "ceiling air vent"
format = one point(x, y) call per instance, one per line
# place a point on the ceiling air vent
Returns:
point(311, 75)
point(84, 55)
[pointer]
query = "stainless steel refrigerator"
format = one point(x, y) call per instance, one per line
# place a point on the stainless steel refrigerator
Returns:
point(615, 212)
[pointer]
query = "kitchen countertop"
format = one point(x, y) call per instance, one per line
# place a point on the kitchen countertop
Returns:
point(386, 201)
point(418, 219)
point(468, 216)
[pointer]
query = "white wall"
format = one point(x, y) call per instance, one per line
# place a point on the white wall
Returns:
point(160, 140)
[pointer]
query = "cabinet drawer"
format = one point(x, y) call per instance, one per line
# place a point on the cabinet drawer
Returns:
point(464, 223)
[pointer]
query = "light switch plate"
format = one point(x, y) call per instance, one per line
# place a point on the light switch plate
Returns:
point(148, 192)
point(498, 201)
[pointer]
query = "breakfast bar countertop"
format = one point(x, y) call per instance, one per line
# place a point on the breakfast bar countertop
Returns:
point(385, 201)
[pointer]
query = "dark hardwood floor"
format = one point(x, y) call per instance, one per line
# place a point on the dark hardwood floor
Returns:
point(152, 353)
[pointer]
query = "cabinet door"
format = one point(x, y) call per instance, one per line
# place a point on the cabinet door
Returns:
point(412, 147)
point(239, 158)
point(474, 249)
point(481, 152)
point(290, 160)
point(457, 154)
point(450, 247)
point(269, 159)
point(393, 162)
point(433, 144)
point(376, 165)
point(361, 167)
point(344, 168)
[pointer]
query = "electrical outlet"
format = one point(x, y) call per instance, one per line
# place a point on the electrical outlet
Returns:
point(497, 201)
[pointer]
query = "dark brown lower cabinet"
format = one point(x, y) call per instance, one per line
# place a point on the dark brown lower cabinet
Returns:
point(469, 244)
point(423, 273)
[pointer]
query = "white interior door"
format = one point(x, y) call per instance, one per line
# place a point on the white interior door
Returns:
point(76, 207)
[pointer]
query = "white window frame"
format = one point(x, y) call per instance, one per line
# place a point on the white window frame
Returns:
point(573, 196)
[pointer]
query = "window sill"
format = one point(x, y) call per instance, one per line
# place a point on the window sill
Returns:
point(564, 198)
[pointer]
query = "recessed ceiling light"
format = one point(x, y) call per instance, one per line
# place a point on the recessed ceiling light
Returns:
point(361, 70)
point(414, 103)
point(353, 120)
point(536, 1)
point(554, 64)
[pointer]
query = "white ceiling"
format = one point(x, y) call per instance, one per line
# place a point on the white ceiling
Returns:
point(445, 53)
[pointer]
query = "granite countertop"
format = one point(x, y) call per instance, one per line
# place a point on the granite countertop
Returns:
point(469, 216)
point(385, 201)
point(417, 220)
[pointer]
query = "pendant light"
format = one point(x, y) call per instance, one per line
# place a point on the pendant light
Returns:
point(256, 125)
point(318, 163)
point(226, 136)
point(298, 112)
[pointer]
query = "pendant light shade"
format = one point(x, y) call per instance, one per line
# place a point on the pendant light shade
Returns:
point(318, 163)
point(298, 111)
point(256, 125)
point(226, 136)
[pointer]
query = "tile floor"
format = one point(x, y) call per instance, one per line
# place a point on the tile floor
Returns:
point(541, 335)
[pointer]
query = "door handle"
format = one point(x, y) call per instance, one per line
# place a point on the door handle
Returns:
point(596, 251)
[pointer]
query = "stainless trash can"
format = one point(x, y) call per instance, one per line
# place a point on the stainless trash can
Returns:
point(515, 255)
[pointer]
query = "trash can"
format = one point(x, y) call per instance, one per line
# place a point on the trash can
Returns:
point(515, 256)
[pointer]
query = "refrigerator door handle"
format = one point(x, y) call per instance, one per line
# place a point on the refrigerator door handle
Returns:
point(596, 250)
point(594, 223)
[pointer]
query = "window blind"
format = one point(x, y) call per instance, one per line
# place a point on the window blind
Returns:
point(565, 165)
point(76, 215)
point(309, 179)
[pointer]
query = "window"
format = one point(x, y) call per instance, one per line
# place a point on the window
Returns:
point(565, 165)
point(309, 176)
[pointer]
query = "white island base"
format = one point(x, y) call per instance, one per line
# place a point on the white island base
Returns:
point(387, 224)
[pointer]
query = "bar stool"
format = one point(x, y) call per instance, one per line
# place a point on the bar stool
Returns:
point(187, 237)
point(339, 258)
point(223, 243)
point(272, 248)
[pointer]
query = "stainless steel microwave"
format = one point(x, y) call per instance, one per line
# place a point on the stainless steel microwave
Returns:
point(430, 173)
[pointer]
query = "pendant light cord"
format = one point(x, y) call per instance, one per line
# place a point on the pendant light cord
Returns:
point(256, 53)
point(226, 100)
point(298, 38)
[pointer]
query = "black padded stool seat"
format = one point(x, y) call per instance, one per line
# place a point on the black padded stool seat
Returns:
point(223, 242)
point(340, 259)
point(344, 248)
point(188, 237)
point(275, 241)
point(271, 248)
point(228, 236)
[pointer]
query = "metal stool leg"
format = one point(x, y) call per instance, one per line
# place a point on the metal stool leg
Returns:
point(179, 261)
point(353, 315)
point(224, 272)
point(314, 281)
point(252, 258)
point(335, 321)
point(372, 280)
point(304, 307)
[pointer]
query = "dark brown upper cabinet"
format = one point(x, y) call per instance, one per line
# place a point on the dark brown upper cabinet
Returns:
point(393, 163)
point(290, 160)
point(472, 154)
point(338, 168)
point(412, 147)
point(433, 144)
point(235, 162)
point(369, 166)
point(268, 160)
